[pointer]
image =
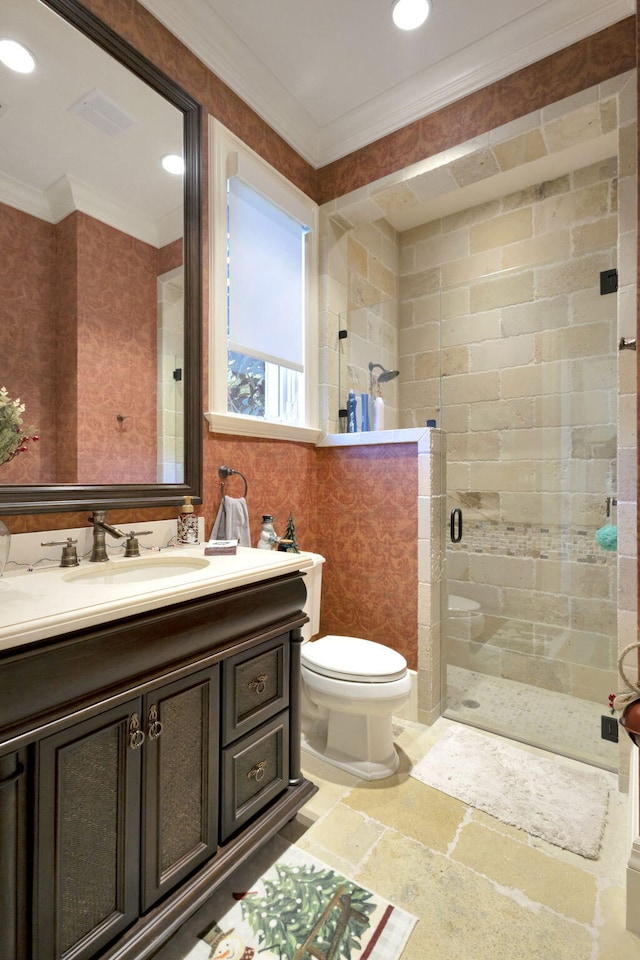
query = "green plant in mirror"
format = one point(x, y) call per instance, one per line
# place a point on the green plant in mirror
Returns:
point(14, 436)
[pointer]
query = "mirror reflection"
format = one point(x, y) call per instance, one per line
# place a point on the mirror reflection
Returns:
point(91, 276)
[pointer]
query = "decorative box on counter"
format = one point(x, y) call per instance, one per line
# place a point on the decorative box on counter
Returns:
point(220, 548)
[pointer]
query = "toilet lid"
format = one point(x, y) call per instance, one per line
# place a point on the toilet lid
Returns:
point(352, 658)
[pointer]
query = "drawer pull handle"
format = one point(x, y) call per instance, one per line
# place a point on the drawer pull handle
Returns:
point(257, 771)
point(155, 727)
point(259, 684)
point(136, 736)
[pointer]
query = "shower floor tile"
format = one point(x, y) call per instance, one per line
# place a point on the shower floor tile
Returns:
point(556, 722)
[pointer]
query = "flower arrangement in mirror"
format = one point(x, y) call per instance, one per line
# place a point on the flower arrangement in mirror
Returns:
point(14, 436)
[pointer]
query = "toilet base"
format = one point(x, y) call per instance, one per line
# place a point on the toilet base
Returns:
point(363, 769)
point(361, 745)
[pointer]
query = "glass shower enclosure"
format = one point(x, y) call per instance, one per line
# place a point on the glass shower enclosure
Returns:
point(530, 423)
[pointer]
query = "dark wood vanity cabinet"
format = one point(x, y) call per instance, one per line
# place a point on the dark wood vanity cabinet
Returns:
point(87, 847)
point(131, 793)
point(121, 813)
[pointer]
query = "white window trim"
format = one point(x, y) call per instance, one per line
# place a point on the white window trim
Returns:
point(229, 155)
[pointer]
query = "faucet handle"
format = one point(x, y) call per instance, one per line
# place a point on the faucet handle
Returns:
point(69, 556)
point(132, 547)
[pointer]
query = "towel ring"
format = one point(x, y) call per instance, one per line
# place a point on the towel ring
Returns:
point(225, 472)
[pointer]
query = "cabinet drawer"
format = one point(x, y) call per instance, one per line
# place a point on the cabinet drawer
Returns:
point(255, 687)
point(255, 769)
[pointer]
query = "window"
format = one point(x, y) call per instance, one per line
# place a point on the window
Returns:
point(263, 360)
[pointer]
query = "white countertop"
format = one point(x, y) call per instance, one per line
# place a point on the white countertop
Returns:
point(45, 603)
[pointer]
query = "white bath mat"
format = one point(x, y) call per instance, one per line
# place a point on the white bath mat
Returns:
point(561, 802)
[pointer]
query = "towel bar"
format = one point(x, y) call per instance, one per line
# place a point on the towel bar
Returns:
point(225, 472)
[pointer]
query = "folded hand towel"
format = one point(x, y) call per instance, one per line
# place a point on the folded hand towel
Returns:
point(232, 522)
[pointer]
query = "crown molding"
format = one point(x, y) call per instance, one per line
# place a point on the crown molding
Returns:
point(531, 37)
point(520, 44)
point(70, 194)
point(200, 28)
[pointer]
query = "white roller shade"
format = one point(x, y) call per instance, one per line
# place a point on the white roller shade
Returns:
point(266, 278)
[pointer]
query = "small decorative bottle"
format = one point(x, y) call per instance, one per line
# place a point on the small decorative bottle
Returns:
point(268, 536)
point(187, 523)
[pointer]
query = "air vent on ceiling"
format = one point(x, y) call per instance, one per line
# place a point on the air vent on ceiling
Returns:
point(101, 112)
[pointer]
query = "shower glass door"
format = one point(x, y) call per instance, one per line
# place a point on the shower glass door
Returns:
point(529, 398)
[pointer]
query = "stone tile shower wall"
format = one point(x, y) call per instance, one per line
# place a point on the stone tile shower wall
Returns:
point(529, 407)
point(607, 109)
point(362, 295)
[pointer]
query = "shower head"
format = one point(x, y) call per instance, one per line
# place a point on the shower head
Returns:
point(386, 375)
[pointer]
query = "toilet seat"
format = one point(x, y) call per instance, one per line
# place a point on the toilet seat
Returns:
point(347, 658)
point(461, 606)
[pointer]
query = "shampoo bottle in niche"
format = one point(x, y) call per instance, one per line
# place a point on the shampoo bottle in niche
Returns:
point(352, 419)
point(187, 523)
point(364, 400)
point(378, 414)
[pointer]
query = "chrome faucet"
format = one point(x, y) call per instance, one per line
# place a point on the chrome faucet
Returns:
point(100, 527)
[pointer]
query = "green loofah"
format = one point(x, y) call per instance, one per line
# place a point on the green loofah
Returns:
point(607, 537)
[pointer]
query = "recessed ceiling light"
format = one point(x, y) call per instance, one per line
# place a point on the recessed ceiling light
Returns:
point(16, 57)
point(410, 14)
point(172, 163)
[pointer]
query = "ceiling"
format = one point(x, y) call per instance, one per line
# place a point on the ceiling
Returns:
point(331, 76)
point(54, 159)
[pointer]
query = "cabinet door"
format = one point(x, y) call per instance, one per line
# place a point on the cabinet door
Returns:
point(13, 856)
point(180, 781)
point(87, 834)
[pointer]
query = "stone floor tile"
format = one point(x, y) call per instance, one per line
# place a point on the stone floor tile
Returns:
point(566, 889)
point(463, 915)
point(347, 833)
point(614, 942)
point(410, 807)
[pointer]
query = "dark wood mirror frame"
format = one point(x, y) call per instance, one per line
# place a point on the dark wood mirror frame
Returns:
point(52, 498)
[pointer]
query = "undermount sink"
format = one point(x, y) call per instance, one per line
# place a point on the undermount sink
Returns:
point(137, 571)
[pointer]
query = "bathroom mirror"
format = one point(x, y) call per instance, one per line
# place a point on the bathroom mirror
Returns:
point(100, 280)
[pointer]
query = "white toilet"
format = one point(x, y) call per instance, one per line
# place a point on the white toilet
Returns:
point(466, 620)
point(350, 690)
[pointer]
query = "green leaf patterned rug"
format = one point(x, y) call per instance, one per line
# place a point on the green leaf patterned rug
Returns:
point(293, 907)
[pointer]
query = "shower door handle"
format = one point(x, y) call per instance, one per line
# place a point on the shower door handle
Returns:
point(455, 525)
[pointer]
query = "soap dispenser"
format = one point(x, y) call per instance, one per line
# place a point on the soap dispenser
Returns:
point(187, 523)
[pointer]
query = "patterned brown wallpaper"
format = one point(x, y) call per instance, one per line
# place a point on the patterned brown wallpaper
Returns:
point(27, 340)
point(366, 502)
point(117, 365)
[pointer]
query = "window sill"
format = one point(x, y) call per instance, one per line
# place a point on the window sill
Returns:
point(239, 426)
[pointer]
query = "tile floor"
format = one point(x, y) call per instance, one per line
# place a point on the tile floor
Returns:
point(481, 890)
point(552, 720)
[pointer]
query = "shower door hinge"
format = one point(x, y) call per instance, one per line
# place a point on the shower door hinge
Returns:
point(608, 281)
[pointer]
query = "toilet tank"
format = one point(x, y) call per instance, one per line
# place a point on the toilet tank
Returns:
point(313, 584)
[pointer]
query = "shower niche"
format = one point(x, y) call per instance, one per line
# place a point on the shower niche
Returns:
point(369, 373)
